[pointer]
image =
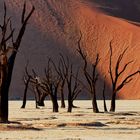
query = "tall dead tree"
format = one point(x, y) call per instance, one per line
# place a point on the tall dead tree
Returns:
point(91, 75)
point(8, 55)
point(116, 75)
point(72, 81)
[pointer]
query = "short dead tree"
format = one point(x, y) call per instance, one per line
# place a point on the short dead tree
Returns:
point(91, 75)
point(40, 95)
point(26, 80)
point(115, 75)
point(32, 82)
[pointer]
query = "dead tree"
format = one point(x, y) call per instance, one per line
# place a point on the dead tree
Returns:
point(115, 75)
point(58, 70)
point(91, 77)
point(50, 84)
point(32, 81)
point(26, 80)
point(8, 55)
point(72, 81)
point(39, 95)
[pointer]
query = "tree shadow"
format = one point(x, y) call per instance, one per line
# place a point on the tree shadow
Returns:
point(36, 119)
point(90, 124)
point(17, 126)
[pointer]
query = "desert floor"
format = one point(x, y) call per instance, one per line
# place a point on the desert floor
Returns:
point(81, 124)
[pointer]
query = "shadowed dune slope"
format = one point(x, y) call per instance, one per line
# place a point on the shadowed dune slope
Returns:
point(127, 9)
point(55, 28)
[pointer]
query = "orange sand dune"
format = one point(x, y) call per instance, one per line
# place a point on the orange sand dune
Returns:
point(55, 27)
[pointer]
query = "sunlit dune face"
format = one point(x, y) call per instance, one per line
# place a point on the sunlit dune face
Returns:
point(100, 29)
point(64, 21)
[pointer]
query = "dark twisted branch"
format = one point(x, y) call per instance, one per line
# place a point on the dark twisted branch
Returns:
point(116, 84)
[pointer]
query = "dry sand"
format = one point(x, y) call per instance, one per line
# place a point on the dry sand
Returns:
point(82, 124)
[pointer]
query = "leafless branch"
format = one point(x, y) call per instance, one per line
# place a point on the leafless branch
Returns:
point(127, 80)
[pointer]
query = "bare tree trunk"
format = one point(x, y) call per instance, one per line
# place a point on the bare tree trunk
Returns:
point(53, 96)
point(55, 105)
point(113, 102)
point(69, 106)
point(41, 100)
point(94, 103)
point(6, 75)
point(62, 99)
point(104, 100)
point(105, 107)
point(3, 95)
point(3, 106)
point(35, 93)
point(70, 103)
point(25, 93)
